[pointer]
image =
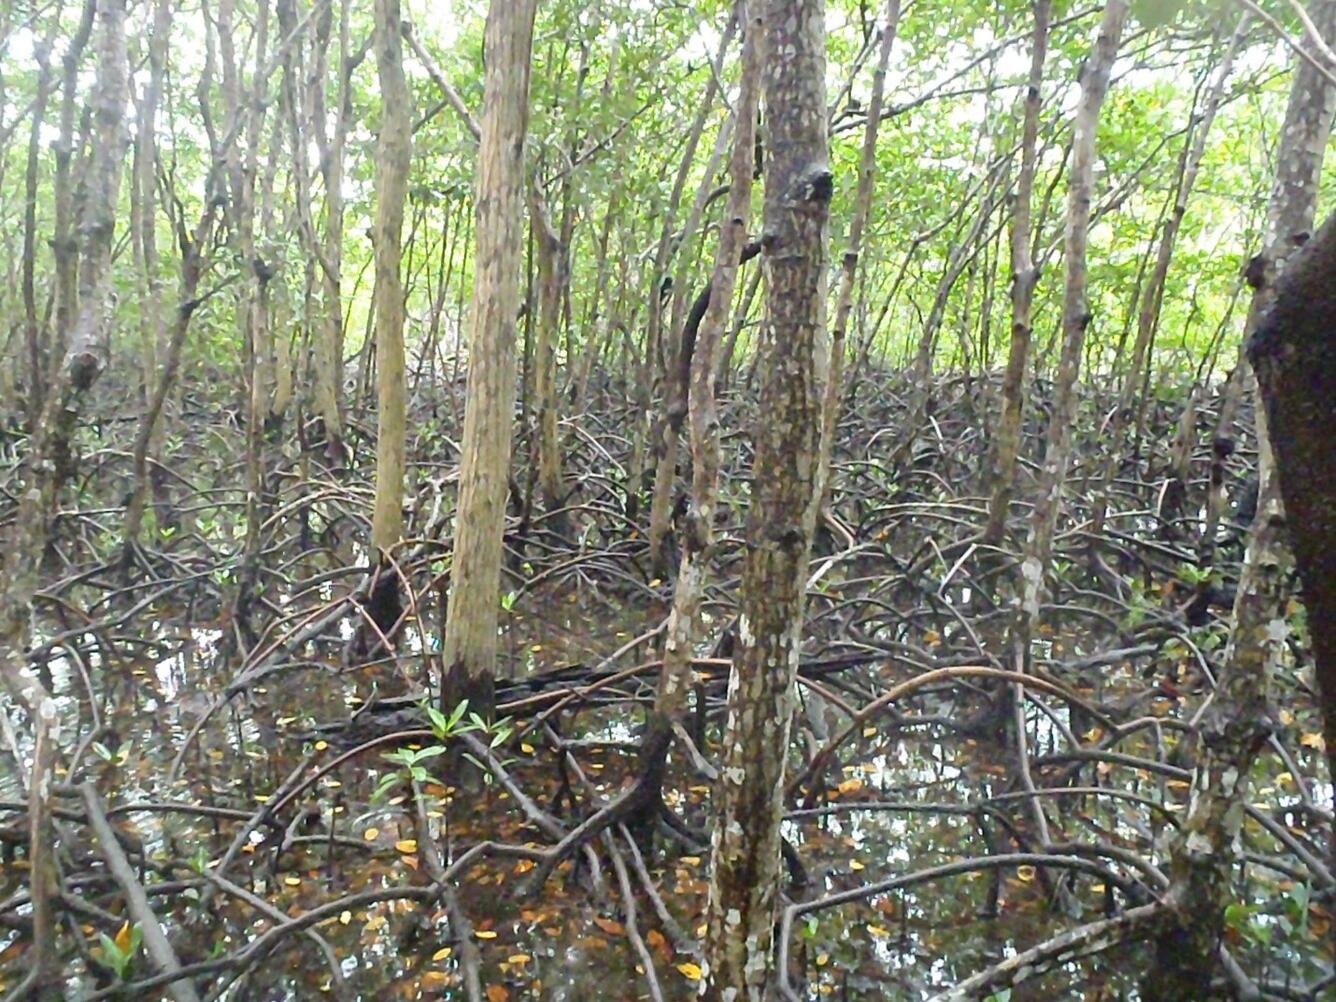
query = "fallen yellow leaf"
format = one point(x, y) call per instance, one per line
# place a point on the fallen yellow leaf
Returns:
point(690, 970)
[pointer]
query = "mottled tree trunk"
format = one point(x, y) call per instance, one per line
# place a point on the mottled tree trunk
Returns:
point(867, 167)
point(551, 254)
point(1229, 736)
point(470, 635)
point(1294, 355)
point(1292, 349)
point(64, 241)
point(49, 462)
point(652, 357)
point(329, 339)
point(1024, 279)
point(1075, 311)
point(33, 334)
point(745, 853)
point(393, 152)
point(698, 538)
point(675, 359)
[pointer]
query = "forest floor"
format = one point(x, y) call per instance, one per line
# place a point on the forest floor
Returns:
point(300, 833)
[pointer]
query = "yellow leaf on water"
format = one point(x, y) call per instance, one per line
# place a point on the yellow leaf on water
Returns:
point(1025, 873)
point(345, 917)
point(292, 881)
point(371, 834)
point(442, 953)
point(855, 865)
point(526, 748)
point(406, 846)
point(485, 934)
point(690, 970)
point(869, 732)
point(850, 785)
point(518, 958)
point(879, 931)
point(822, 959)
point(321, 745)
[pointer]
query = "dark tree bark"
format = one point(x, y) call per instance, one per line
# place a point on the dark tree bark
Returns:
point(1293, 353)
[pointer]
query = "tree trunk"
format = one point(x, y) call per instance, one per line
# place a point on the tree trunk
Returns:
point(1075, 312)
point(49, 462)
point(698, 539)
point(676, 368)
point(1302, 144)
point(469, 646)
point(1024, 279)
point(551, 255)
point(393, 152)
point(1293, 353)
point(746, 842)
point(830, 401)
point(663, 253)
point(329, 338)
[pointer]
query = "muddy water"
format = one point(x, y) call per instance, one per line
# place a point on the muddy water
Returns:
point(566, 942)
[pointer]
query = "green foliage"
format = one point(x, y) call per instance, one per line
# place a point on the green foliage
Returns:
point(119, 953)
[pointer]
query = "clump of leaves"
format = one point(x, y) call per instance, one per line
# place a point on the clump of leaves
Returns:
point(445, 728)
point(119, 953)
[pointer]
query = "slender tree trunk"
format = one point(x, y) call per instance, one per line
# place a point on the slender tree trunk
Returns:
point(469, 646)
point(1037, 553)
point(1075, 312)
point(676, 368)
point(698, 539)
point(745, 856)
point(830, 401)
point(650, 360)
point(64, 241)
point(49, 461)
point(551, 255)
point(329, 339)
point(393, 152)
point(1024, 279)
point(32, 331)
